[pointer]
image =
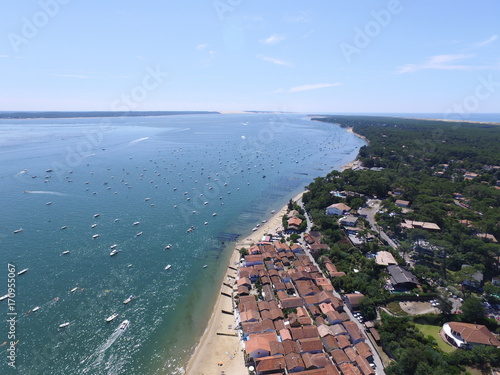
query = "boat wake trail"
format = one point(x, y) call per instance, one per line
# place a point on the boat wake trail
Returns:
point(45, 192)
point(98, 355)
point(135, 141)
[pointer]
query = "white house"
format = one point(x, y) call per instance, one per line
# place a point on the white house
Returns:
point(338, 209)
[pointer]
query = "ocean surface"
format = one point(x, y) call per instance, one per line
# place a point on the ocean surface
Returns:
point(64, 181)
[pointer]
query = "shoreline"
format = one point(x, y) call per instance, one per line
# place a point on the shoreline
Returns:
point(213, 349)
point(217, 345)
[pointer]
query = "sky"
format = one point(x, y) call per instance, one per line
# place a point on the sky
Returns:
point(322, 56)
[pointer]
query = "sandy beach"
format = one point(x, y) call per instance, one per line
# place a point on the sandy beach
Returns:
point(220, 349)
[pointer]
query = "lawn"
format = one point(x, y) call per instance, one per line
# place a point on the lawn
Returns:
point(433, 331)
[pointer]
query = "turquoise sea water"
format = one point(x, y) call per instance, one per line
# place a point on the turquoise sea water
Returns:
point(168, 173)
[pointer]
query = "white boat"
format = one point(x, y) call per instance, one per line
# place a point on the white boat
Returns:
point(65, 252)
point(64, 325)
point(93, 225)
point(147, 199)
point(167, 267)
point(273, 211)
point(114, 252)
point(18, 230)
point(254, 229)
point(95, 236)
point(137, 223)
point(168, 246)
point(48, 203)
point(4, 297)
point(214, 214)
point(129, 299)
point(97, 215)
point(35, 308)
point(206, 223)
point(64, 227)
point(111, 317)
point(23, 271)
point(190, 229)
point(74, 289)
point(138, 234)
point(114, 246)
point(205, 266)
point(123, 325)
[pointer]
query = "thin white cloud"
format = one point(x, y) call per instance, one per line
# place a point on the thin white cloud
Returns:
point(70, 76)
point(313, 86)
point(487, 41)
point(301, 17)
point(438, 62)
point(201, 47)
point(86, 76)
point(273, 39)
point(274, 60)
point(308, 87)
point(4, 56)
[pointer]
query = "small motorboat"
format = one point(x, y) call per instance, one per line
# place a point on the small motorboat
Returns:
point(111, 317)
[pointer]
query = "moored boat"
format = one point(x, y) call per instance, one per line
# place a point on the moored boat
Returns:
point(95, 236)
point(18, 230)
point(65, 252)
point(4, 297)
point(169, 246)
point(64, 325)
point(23, 271)
point(167, 267)
point(129, 299)
point(35, 309)
point(138, 234)
point(74, 289)
point(114, 252)
point(111, 317)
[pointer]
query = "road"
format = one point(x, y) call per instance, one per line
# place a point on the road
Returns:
point(379, 370)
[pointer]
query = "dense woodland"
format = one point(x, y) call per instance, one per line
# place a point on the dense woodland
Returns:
point(424, 162)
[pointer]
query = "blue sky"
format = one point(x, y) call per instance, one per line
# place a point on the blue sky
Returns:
point(231, 55)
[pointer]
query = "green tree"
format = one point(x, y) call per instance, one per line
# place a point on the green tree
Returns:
point(473, 310)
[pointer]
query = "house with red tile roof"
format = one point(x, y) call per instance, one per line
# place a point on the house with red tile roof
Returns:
point(259, 345)
point(249, 316)
point(330, 343)
point(343, 341)
point(315, 361)
point(352, 300)
point(349, 369)
point(466, 335)
point(339, 356)
point(353, 331)
point(290, 346)
point(364, 350)
point(310, 345)
point(291, 302)
point(271, 364)
point(294, 362)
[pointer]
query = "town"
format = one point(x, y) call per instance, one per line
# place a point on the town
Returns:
point(391, 266)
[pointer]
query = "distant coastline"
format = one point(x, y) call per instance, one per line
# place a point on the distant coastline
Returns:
point(87, 114)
